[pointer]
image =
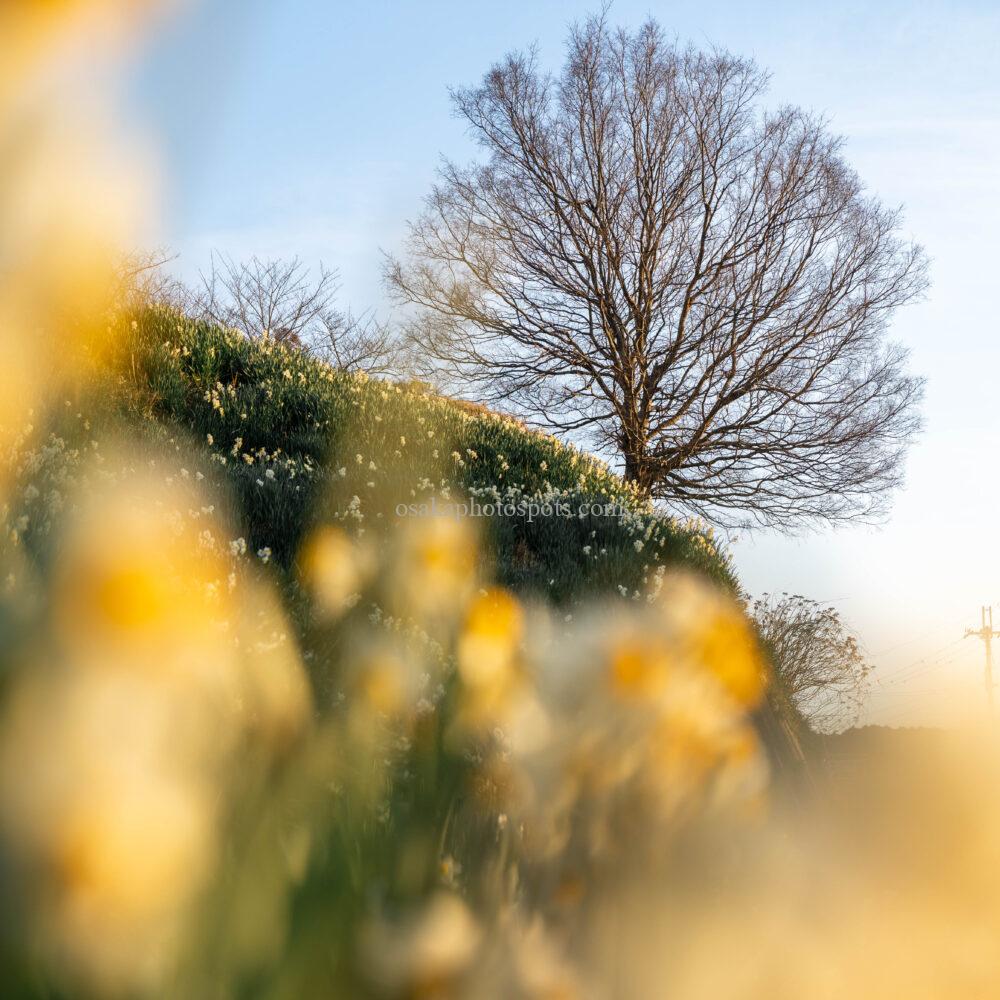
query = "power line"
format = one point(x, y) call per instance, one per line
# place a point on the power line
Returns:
point(928, 658)
point(905, 642)
point(907, 674)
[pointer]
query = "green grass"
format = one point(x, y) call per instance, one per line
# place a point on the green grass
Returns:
point(293, 441)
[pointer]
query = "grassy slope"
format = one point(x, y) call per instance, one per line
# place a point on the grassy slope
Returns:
point(295, 441)
point(280, 435)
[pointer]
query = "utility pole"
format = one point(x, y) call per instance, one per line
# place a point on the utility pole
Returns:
point(986, 633)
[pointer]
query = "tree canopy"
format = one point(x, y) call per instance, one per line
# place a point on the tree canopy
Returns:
point(649, 260)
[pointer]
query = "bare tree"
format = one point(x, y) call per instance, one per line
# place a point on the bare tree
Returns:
point(268, 298)
point(282, 300)
point(143, 279)
point(819, 662)
point(648, 260)
point(360, 343)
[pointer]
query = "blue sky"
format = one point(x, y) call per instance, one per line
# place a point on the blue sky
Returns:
point(314, 129)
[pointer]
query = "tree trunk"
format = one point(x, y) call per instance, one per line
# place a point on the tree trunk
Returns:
point(639, 468)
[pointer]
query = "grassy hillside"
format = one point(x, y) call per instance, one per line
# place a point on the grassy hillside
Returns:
point(296, 442)
point(367, 729)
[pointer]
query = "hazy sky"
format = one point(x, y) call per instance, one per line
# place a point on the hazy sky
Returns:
point(313, 128)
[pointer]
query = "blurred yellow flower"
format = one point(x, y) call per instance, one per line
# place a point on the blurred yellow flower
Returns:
point(69, 196)
point(494, 627)
point(495, 687)
point(711, 631)
point(334, 568)
point(274, 691)
point(134, 587)
point(115, 816)
point(639, 665)
point(424, 954)
point(132, 843)
point(434, 566)
point(382, 682)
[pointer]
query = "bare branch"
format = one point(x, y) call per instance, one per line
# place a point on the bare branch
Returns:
point(281, 300)
point(143, 279)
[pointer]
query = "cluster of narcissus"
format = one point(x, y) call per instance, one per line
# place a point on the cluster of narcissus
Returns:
point(259, 391)
point(387, 766)
point(257, 740)
point(358, 770)
point(323, 443)
point(140, 672)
